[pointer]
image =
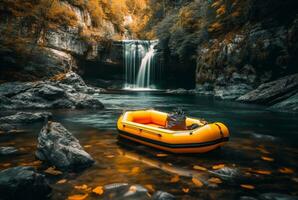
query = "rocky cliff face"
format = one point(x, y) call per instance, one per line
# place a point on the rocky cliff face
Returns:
point(32, 51)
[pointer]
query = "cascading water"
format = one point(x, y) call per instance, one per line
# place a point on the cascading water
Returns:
point(141, 68)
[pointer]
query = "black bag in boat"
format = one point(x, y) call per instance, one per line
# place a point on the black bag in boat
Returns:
point(176, 120)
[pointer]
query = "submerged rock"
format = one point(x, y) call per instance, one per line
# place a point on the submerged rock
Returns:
point(8, 150)
point(26, 117)
point(23, 183)
point(58, 147)
point(227, 173)
point(160, 195)
point(232, 91)
point(277, 196)
point(125, 191)
point(290, 104)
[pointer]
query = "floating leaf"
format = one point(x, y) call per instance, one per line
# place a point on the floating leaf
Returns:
point(250, 187)
point(267, 159)
point(185, 190)
point(132, 189)
point(77, 197)
point(98, 190)
point(135, 170)
point(262, 150)
point(53, 171)
point(6, 164)
point(161, 155)
point(199, 168)
point(175, 179)
point(61, 181)
point(286, 170)
point(197, 182)
point(263, 172)
point(123, 170)
point(110, 156)
point(34, 163)
point(87, 146)
point(81, 187)
point(150, 187)
point(214, 180)
point(218, 166)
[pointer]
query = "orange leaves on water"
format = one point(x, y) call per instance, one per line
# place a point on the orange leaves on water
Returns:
point(219, 166)
point(83, 187)
point(135, 170)
point(87, 146)
point(77, 197)
point(98, 190)
point(175, 179)
point(53, 171)
point(246, 186)
point(267, 158)
point(185, 190)
point(61, 181)
point(197, 182)
point(197, 167)
point(215, 180)
point(161, 155)
point(285, 170)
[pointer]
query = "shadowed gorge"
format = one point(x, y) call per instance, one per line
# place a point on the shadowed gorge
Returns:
point(82, 81)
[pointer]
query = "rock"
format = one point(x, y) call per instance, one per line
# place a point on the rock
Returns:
point(23, 183)
point(70, 92)
point(227, 173)
point(160, 195)
point(6, 127)
point(180, 91)
point(247, 198)
point(290, 104)
point(277, 196)
point(8, 151)
point(26, 117)
point(58, 147)
point(232, 91)
point(272, 92)
point(125, 191)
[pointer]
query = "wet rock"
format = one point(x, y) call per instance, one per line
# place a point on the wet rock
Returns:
point(160, 195)
point(26, 117)
point(180, 91)
point(277, 196)
point(8, 150)
point(58, 147)
point(247, 198)
point(232, 91)
point(6, 127)
point(272, 92)
point(125, 191)
point(70, 92)
point(290, 104)
point(227, 173)
point(23, 183)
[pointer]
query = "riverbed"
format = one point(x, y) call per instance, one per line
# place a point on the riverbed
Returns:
point(261, 156)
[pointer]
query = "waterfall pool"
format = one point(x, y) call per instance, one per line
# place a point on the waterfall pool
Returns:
point(263, 143)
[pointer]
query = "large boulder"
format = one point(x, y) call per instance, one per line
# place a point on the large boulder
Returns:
point(25, 117)
point(23, 183)
point(273, 92)
point(69, 92)
point(57, 146)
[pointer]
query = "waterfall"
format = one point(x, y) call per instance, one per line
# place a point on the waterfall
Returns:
point(141, 68)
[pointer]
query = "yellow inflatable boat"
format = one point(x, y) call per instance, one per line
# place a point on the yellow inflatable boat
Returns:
point(149, 128)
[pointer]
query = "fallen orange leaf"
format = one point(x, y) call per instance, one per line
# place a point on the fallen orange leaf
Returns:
point(286, 170)
point(53, 171)
point(98, 190)
point(267, 159)
point(185, 190)
point(263, 172)
point(110, 156)
point(214, 180)
point(81, 187)
point(197, 182)
point(218, 166)
point(161, 155)
point(150, 187)
point(6, 164)
point(174, 179)
point(262, 150)
point(135, 170)
point(199, 168)
point(61, 181)
point(77, 197)
point(250, 187)
point(87, 146)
